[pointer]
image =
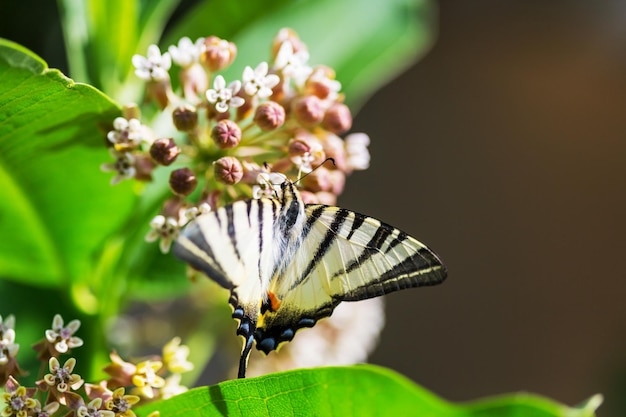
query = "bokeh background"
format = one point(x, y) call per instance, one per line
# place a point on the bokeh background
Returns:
point(504, 150)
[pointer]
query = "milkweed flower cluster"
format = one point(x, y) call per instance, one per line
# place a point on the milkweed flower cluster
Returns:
point(229, 134)
point(62, 390)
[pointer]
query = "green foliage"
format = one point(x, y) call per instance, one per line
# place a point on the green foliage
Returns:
point(55, 205)
point(355, 391)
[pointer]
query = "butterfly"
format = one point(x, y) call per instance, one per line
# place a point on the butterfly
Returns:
point(288, 264)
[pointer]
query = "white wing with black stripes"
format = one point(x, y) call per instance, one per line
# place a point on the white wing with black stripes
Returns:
point(287, 266)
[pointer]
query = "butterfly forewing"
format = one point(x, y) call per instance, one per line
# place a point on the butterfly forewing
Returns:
point(233, 246)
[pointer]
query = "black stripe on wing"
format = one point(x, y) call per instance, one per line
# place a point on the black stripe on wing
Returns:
point(189, 249)
point(230, 228)
point(331, 234)
point(371, 248)
point(423, 268)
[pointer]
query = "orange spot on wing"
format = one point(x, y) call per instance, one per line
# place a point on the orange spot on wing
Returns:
point(274, 301)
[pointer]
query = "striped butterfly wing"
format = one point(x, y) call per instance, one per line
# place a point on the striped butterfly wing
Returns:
point(236, 246)
point(342, 256)
point(233, 246)
point(288, 266)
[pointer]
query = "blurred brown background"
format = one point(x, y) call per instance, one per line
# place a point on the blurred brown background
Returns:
point(504, 149)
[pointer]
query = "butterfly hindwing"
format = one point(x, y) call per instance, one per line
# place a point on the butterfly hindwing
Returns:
point(343, 256)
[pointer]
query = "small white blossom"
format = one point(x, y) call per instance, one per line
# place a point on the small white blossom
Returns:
point(127, 134)
point(124, 165)
point(357, 155)
point(293, 65)
point(165, 228)
point(7, 324)
point(186, 53)
point(175, 357)
point(93, 409)
point(258, 82)
point(63, 336)
point(268, 185)
point(172, 387)
point(193, 212)
point(224, 97)
point(61, 377)
point(8, 347)
point(304, 161)
point(154, 67)
point(146, 378)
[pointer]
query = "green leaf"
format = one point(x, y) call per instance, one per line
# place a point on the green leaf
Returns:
point(362, 391)
point(56, 207)
point(101, 36)
point(391, 35)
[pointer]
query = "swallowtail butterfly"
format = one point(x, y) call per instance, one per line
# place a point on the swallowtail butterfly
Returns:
point(288, 264)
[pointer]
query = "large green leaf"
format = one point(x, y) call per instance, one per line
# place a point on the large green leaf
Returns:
point(56, 207)
point(362, 391)
point(367, 42)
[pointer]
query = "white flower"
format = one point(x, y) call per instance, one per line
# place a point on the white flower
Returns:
point(165, 228)
point(186, 53)
point(124, 165)
point(357, 155)
point(175, 357)
point(93, 409)
point(8, 347)
point(7, 324)
point(293, 65)
point(304, 161)
point(154, 67)
point(268, 185)
point(172, 387)
point(63, 336)
point(224, 97)
point(193, 212)
point(258, 82)
point(127, 134)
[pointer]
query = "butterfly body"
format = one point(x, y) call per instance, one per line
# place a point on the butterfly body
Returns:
point(288, 265)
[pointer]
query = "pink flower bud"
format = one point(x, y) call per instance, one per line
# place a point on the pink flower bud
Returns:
point(228, 170)
point(218, 53)
point(308, 110)
point(269, 116)
point(318, 180)
point(337, 118)
point(226, 134)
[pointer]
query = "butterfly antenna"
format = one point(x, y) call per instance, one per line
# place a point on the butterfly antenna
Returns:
point(311, 171)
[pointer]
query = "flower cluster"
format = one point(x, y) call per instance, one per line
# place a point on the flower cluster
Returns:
point(157, 377)
point(226, 136)
point(58, 389)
